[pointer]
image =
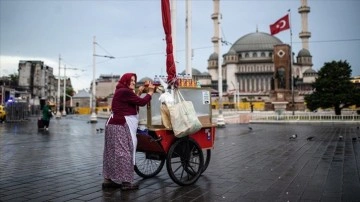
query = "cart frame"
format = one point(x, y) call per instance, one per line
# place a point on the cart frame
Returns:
point(184, 157)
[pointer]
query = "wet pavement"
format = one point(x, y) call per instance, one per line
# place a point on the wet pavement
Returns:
point(257, 164)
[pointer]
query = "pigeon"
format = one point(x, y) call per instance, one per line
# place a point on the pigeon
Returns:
point(101, 129)
point(354, 139)
point(293, 137)
point(310, 138)
point(97, 130)
point(341, 137)
point(250, 128)
point(357, 127)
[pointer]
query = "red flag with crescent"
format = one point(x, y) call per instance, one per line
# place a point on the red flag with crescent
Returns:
point(170, 63)
point(280, 25)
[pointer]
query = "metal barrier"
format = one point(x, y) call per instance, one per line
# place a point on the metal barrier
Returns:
point(305, 117)
point(16, 111)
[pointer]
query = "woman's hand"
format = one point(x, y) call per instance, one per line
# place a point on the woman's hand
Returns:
point(141, 90)
point(151, 88)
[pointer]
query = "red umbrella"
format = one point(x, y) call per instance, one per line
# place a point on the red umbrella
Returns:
point(170, 63)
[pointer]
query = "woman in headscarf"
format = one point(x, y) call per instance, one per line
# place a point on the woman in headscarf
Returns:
point(120, 133)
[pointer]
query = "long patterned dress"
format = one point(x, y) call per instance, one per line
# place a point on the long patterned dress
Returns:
point(118, 154)
point(120, 132)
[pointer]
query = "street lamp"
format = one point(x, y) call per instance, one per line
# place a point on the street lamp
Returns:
point(220, 119)
point(93, 117)
point(64, 97)
point(58, 113)
point(235, 95)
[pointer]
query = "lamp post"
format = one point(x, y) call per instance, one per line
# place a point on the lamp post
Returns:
point(93, 117)
point(235, 95)
point(64, 96)
point(58, 113)
point(220, 119)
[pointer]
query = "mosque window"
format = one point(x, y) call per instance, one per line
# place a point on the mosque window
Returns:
point(270, 54)
point(254, 55)
point(246, 55)
point(262, 54)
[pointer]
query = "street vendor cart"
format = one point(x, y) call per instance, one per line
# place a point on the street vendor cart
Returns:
point(187, 157)
point(157, 144)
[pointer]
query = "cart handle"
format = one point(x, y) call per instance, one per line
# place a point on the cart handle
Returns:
point(156, 140)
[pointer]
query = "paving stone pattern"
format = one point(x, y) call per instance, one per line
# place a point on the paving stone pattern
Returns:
point(262, 164)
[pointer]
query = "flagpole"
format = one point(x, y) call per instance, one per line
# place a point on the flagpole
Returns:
point(291, 66)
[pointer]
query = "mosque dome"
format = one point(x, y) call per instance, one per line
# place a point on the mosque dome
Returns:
point(193, 72)
point(304, 53)
point(309, 72)
point(213, 56)
point(145, 79)
point(257, 41)
point(231, 52)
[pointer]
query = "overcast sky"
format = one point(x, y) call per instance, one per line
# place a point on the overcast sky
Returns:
point(132, 32)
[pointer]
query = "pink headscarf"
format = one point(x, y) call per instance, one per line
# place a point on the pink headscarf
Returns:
point(125, 80)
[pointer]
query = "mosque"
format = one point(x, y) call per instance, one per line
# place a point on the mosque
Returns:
point(259, 68)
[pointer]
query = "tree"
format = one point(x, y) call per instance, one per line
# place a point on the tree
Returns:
point(14, 79)
point(333, 88)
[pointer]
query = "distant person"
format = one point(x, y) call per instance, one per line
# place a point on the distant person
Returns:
point(120, 133)
point(46, 115)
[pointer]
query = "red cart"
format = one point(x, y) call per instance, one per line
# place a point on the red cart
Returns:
point(184, 157)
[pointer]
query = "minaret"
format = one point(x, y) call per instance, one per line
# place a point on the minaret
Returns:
point(304, 34)
point(213, 59)
point(215, 17)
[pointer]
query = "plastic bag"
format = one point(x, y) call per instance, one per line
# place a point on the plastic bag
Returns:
point(167, 98)
point(183, 117)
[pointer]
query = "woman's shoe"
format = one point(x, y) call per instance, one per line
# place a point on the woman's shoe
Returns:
point(110, 184)
point(128, 186)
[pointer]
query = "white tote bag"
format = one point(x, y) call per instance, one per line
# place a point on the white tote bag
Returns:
point(183, 117)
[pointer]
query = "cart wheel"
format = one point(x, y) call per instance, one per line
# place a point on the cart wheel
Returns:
point(184, 161)
point(207, 157)
point(148, 165)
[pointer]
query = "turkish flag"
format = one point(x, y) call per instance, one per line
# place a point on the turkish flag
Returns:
point(280, 25)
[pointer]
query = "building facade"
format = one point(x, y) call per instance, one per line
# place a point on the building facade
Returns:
point(105, 85)
point(38, 79)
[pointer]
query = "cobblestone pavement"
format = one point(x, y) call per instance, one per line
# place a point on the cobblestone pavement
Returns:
point(257, 164)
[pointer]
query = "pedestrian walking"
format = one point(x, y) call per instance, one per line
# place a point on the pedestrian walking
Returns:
point(46, 115)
